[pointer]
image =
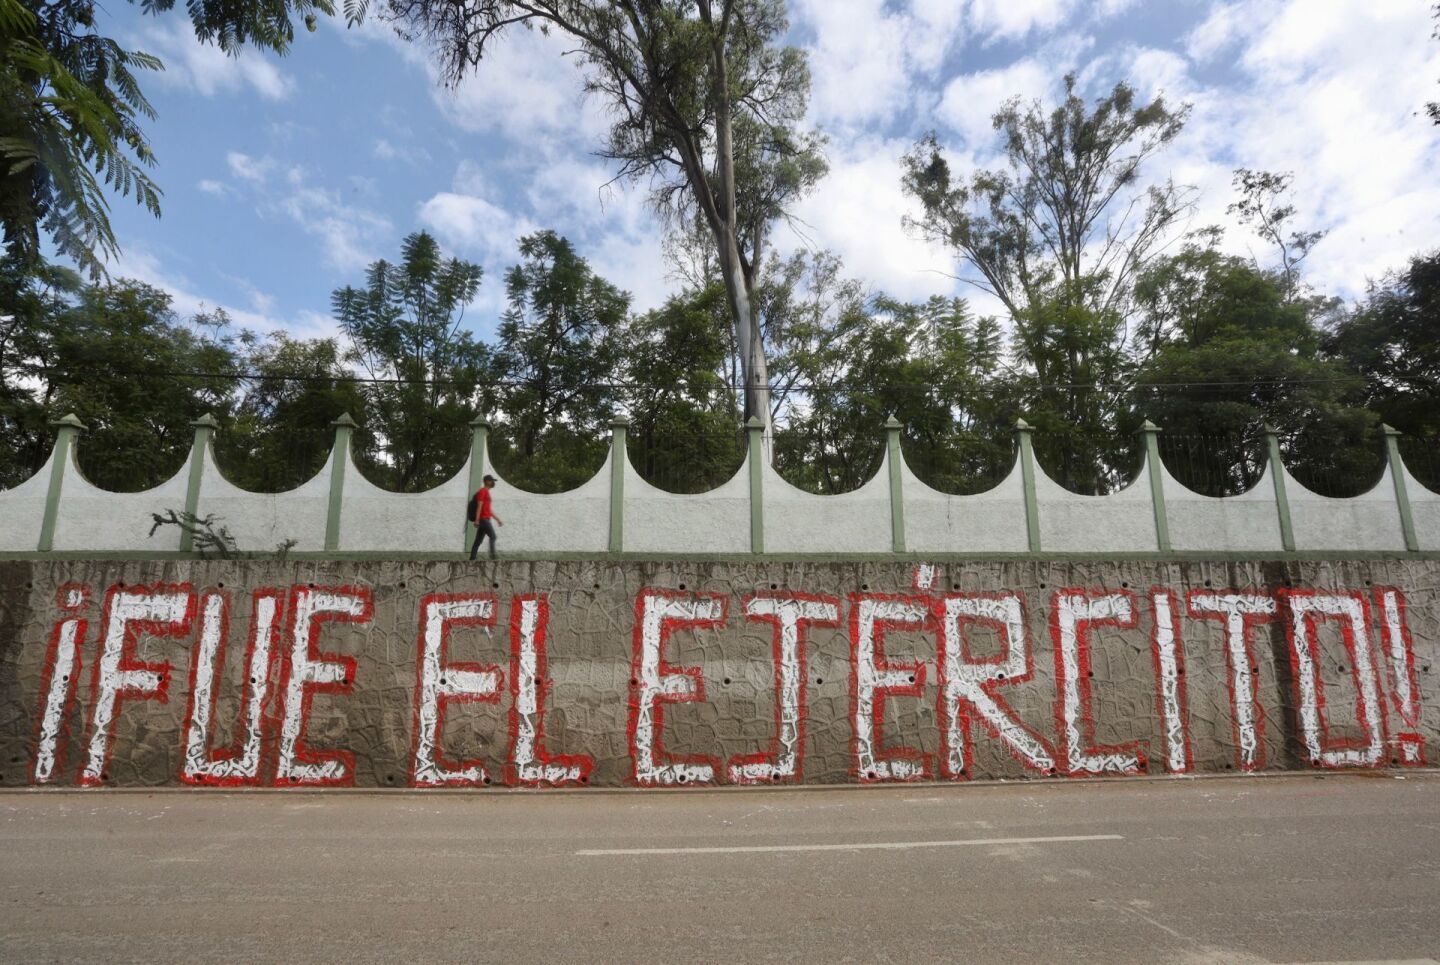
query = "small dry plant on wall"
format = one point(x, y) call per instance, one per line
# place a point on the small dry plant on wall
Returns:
point(208, 537)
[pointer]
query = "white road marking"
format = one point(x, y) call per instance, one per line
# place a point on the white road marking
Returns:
point(867, 846)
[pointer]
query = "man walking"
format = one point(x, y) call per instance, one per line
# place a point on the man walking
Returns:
point(483, 516)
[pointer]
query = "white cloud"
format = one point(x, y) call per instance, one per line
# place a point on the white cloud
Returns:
point(856, 212)
point(348, 232)
point(1014, 19)
point(209, 186)
point(207, 70)
point(144, 265)
point(414, 154)
point(252, 169)
point(970, 100)
point(868, 56)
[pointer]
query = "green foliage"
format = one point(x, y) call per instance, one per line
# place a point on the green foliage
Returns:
point(1393, 340)
point(68, 129)
point(406, 330)
point(683, 435)
point(1060, 236)
point(707, 106)
point(281, 432)
point(848, 361)
point(558, 353)
point(70, 112)
point(1231, 353)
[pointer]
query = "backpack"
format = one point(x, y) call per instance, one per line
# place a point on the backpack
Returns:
point(473, 507)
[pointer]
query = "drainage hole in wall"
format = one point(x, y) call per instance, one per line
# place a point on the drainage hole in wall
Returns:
point(1368, 583)
point(819, 680)
point(597, 586)
point(121, 584)
point(774, 586)
point(1394, 760)
point(864, 586)
point(104, 775)
point(402, 584)
point(252, 680)
point(727, 680)
point(1341, 668)
point(1124, 586)
point(584, 778)
point(442, 681)
point(774, 777)
point(389, 778)
point(682, 586)
point(1207, 582)
point(869, 775)
point(1227, 767)
point(1425, 668)
point(682, 778)
point(485, 779)
point(494, 586)
point(66, 677)
point(294, 779)
point(29, 586)
point(634, 682)
point(1050, 771)
point(1001, 677)
point(1090, 674)
point(220, 586)
point(912, 678)
point(1042, 586)
point(310, 585)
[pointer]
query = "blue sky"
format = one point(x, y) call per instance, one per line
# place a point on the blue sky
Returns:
point(284, 177)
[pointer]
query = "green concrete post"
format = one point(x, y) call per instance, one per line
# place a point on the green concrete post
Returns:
point(67, 430)
point(479, 459)
point(1027, 479)
point(755, 430)
point(1402, 493)
point(204, 427)
point(618, 455)
point(339, 460)
point(1150, 432)
point(897, 496)
point(1282, 501)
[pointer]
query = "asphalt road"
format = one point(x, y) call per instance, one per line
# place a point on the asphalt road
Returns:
point(1339, 868)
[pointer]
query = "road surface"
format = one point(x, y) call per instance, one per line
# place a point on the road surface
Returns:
point(1284, 869)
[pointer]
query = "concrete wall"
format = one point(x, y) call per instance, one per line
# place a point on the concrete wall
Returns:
point(389, 674)
point(338, 511)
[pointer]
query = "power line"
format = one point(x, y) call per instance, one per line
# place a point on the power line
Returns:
point(802, 388)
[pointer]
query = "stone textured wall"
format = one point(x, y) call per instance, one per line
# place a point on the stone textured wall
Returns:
point(125, 673)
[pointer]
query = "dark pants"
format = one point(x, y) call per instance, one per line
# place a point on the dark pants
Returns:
point(483, 529)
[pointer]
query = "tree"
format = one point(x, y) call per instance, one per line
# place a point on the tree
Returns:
point(1262, 207)
point(70, 124)
point(683, 434)
point(1433, 108)
point(406, 332)
point(1229, 353)
point(707, 109)
point(1390, 339)
point(558, 352)
point(1059, 237)
point(281, 431)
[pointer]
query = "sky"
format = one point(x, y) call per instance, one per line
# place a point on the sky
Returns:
point(284, 177)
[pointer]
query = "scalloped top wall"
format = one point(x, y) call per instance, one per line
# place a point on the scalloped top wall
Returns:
point(339, 512)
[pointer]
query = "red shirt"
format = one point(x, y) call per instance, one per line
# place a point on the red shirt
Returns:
point(484, 502)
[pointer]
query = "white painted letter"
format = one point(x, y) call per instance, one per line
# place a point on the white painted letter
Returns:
point(789, 616)
point(1240, 612)
point(1400, 663)
point(439, 683)
point(162, 610)
point(62, 673)
point(874, 680)
point(308, 672)
point(1072, 613)
point(530, 762)
point(1170, 693)
point(658, 613)
point(968, 686)
point(233, 766)
point(1307, 609)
